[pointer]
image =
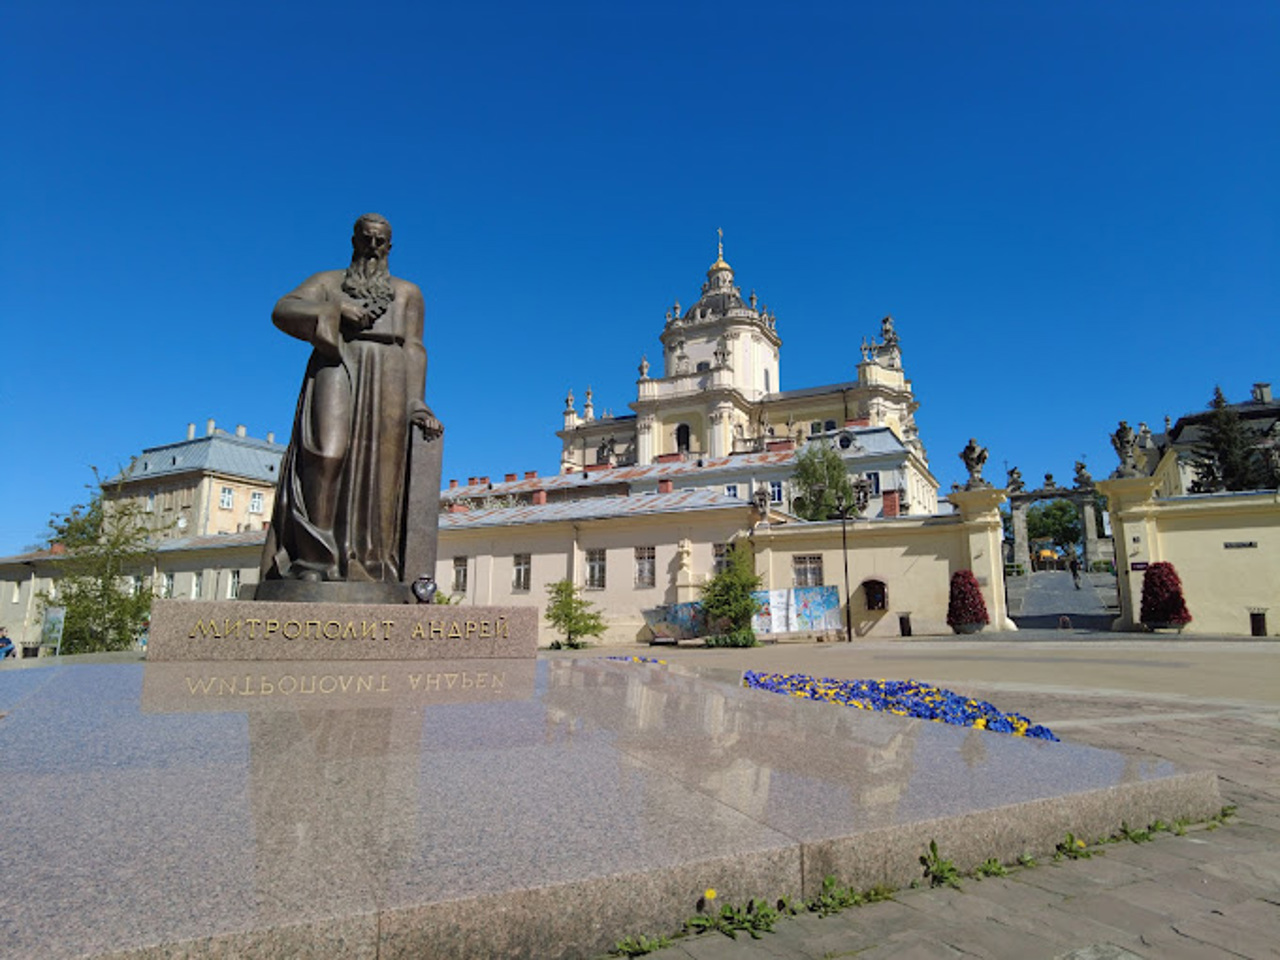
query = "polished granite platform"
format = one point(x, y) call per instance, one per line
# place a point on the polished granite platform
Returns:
point(486, 809)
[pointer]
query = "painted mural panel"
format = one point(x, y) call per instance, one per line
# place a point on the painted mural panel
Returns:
point(795, 610)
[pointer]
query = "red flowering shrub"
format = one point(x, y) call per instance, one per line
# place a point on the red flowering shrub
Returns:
point(966, 604)
point(1162, 601)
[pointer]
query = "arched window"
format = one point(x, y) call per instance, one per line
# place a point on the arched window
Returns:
point(877, 594)
point(682, 438)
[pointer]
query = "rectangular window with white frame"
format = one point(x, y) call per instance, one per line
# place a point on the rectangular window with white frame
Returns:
point(255, 501)
point(197, 585)
point(166, 587)
point(720, 557)
point(459, 574)
point(646, 567)
point(730, 489)
point(775, 491)
point(595, 569)
point(874, 478)
point(233, 585)
point(521, 572)
point(807, 569)
point(227, 499)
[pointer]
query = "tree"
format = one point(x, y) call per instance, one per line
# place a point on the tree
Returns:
point(573, 616)
point(107, 554)
point(1058, 520)
point(1226, 458)
point(727, 600)
point(821, 480)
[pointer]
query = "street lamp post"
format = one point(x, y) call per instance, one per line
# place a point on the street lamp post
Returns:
point(843, 509)
point(861, 487)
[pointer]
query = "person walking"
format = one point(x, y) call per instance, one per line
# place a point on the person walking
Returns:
point(1075, 570)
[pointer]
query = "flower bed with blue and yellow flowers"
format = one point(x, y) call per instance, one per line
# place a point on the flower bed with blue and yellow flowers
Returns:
point(906, 698)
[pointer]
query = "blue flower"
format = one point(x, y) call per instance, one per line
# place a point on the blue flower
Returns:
point(907, 698)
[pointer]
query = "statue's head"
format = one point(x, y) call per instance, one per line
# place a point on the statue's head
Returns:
point(371, 237)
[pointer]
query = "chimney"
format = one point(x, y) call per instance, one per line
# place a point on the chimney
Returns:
point(539, 497)
point(664, 486)
point(191, 431)
point(271, 436)
point(240, 430)
point(508, 478)
point(210, 426)
point(1262, 392)
point(890, 503)
point(531, 474)
point(453, 484)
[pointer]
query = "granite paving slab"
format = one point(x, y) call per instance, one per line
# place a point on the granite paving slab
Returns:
point(583, 800)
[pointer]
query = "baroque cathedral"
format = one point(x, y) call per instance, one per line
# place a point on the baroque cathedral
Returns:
point(719, 399)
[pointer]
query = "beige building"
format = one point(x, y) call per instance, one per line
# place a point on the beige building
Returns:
point(645, 505)
point(211, 484)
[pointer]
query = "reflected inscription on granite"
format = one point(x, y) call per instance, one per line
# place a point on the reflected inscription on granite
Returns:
point(331, 685)
point(326, 684)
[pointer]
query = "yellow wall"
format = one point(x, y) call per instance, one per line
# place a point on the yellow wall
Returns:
point(1220, 583)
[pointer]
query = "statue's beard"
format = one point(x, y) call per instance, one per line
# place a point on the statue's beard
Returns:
point(368, 279)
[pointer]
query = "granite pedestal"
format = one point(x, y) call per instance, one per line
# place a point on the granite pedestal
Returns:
point(167, 810)
point(239, 630)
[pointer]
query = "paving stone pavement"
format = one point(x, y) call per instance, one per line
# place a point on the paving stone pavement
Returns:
point(1211, 893)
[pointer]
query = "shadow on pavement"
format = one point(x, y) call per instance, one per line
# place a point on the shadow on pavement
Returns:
point(1079, 621)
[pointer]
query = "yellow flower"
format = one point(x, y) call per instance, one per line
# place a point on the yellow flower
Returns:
point(710, 894)
point(1080, 844)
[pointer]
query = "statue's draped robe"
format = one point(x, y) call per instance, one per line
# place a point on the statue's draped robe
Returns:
point(339, 508)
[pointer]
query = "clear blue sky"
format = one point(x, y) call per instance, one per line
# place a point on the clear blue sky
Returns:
point(1070, 209)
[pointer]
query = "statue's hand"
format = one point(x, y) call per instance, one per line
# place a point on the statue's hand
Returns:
point(420, 416)
point(355, 315)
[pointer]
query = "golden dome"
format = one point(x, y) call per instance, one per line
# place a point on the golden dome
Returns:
point(720, 261)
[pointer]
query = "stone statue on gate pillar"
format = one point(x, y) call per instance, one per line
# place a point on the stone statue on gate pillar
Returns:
point(356, 506)
point(974, 456)
point(1125, 444)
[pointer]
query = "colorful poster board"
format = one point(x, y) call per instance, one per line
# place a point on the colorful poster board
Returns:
point(796, 610)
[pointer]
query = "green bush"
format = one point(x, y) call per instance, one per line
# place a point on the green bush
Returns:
point(728, 603)
point(573, 616)
point(737, 638)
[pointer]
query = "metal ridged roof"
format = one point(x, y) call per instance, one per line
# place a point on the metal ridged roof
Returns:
point(245, 538)
point(593, 508)
point(220, 453)
point(874, 441)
